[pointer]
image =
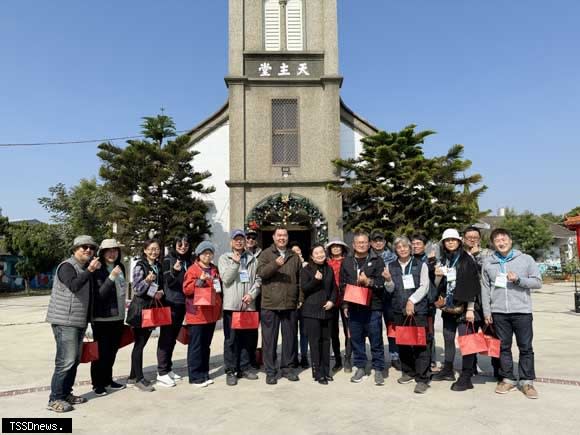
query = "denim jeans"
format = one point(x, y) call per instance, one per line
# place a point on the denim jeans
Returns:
point(69, 340)
point(303, 338)
point(389, 317)
point(520, 325)
point(366, 323)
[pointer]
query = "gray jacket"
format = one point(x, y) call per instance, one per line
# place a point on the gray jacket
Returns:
point(69, 305)
point(516, 298)
point(234, 289)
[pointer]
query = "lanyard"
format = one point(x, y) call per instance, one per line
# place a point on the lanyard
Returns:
point(503, 260)
point(357, 270)
point(454, 262)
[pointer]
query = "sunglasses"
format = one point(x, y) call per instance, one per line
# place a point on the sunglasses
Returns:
point(87, 247)
point(251, 237)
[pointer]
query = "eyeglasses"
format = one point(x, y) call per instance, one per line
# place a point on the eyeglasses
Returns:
point(87, 247)
point(251, 237)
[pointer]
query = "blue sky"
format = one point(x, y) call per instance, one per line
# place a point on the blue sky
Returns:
point(501, 77)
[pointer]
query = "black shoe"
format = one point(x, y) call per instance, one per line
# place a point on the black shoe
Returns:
point(100, 391)
point(304, 362)
point(115, 386)
point(347, 365)
point(291, 376)
point(405, 379)
point(329, 378)
point(271, 380)
point(396, 364)
point(323, 381)
point(446, 373)
point(231, 379)
point(337, 367)
point(462, 384)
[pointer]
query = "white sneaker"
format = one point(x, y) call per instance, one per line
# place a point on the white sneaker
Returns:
point(200, 385)
point(209, 382)
point(165, 381)
point(174, 376)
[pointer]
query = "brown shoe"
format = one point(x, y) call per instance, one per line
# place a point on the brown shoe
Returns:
point(504, 388)
point(529, 391)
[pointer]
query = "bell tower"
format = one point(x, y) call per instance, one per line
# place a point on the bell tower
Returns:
point(284, 117)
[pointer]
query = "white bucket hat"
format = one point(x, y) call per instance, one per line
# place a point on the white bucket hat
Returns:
point(109, 244)
point(451, 233)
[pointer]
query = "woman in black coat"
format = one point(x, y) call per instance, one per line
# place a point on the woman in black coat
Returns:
point(108, 315)
point(318, 293)
point(457, 279)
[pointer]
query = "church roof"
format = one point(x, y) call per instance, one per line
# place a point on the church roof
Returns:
point(221, 117)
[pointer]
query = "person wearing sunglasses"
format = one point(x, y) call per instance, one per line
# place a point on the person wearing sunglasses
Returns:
point(68, 311)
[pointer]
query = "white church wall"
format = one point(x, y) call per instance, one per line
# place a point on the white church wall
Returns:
point(350, 142)
point(214, 157)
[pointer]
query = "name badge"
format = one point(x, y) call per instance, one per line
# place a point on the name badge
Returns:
point(244, 276)
point(501, 280)
point(451, 274)
point(408, 282)
point(217, 285)
point(152, 289)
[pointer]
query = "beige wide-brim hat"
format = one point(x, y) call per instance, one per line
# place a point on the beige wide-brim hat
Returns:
point(109, 244)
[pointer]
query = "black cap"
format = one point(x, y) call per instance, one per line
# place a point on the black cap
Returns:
point(377, 234)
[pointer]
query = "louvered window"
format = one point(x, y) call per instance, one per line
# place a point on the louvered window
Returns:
point(272, 25)
point(294, 26)
point(285, 133)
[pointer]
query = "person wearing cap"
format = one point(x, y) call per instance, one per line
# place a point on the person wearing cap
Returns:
point(201, 319)
point(108, 315)
point(68, 312)
point(459, 289)
point(408, 281)
point(279, 269)
point(378, 245)
point(364, 268)
point(147, 285)
point(241, 288)
point(336, 250)
point(175, 264)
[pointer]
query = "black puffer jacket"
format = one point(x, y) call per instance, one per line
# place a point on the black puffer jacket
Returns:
point(173, 280)
point(315, 293)
point(373, 268)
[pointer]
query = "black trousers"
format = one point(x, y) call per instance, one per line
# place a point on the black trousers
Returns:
point(451, 326)
point(520, 325)
point(239, 345)
point(318, 332)
point(271, 322)
point(141, 337)
point(167, 337)
point(198, 352)
point(108, 336)
point(335, 335)
point(415, 360)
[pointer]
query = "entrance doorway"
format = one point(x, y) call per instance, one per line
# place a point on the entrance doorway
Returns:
point(302, 236)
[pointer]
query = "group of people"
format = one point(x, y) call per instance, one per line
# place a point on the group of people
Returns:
point(302, 297)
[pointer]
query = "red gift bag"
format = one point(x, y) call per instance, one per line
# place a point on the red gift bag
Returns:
point(358, 295)
point(156, 316)
point(472, 343)
point(204, 296)
point(183, 336)
point(89, 351)
point(391, 330)
point(410, 335)
point(128, 337)
point(245, 320)
point(493, 344)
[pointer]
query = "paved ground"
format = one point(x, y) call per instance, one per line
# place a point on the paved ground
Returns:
point(27, 355)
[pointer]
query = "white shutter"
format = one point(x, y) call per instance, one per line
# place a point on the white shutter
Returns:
point(294, 26)
point(272, 25)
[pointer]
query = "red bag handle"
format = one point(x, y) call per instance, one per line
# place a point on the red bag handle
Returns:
point(472, 327)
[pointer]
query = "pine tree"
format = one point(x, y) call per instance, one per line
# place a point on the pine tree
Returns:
point(394, 187)
point(157, 190)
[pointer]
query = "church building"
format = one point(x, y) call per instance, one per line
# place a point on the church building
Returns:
point(270, 147)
